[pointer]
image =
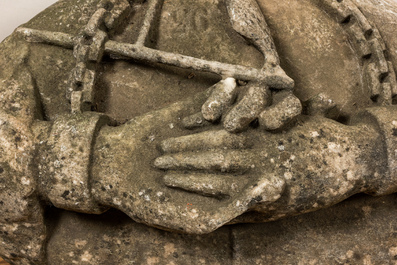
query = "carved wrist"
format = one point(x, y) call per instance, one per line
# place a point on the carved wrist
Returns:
point(64, 162)
point(385, 121)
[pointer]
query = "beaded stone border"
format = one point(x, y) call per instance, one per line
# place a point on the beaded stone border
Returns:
point(378, 72)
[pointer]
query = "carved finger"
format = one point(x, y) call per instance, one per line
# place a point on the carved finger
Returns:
point(195, 121)
point(226, 161)
point(286, 107)
point(204, 141)
point(222, 96)
point(219, 186)
point(249, 108)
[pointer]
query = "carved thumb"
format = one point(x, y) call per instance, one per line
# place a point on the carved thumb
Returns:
point(267, 190)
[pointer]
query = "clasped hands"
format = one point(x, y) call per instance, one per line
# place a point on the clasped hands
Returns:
point(312, 165)
point(221, 163)
point(204, 180)
point(225, 164)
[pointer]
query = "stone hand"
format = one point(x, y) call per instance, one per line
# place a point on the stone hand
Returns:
point(321, 162)
point(247, 20)
point(221, 165)
point(256, 101)
point(123, 177)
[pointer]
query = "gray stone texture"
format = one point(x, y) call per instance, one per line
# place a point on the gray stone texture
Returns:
point(183, 196)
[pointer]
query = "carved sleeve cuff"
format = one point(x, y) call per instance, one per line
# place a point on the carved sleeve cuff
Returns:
point(65, 162)
point(385, 119)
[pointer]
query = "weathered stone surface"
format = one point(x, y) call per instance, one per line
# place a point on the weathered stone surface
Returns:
point(114, 238)
point(64, 162)
point(343, 49)
point(358, 231)
point(309, 41)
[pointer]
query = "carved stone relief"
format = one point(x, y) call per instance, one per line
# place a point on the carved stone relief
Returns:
point(156, 132)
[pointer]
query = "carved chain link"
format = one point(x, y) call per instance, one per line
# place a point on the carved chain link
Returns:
point(378, 72)
point(89, 47)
